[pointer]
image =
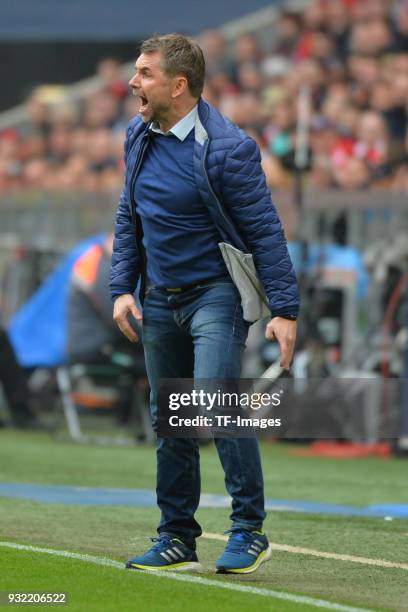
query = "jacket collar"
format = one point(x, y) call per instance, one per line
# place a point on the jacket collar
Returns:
point(201, 134)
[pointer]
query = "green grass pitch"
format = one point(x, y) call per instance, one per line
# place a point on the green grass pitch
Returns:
point(118, 532)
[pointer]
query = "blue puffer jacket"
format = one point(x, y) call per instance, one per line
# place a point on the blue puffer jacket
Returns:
point(229, 177)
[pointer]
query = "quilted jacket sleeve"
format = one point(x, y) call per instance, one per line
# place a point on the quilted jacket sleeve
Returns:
point(126, 263)
point(248, 202)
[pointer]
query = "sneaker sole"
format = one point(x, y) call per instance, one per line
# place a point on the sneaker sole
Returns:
point(264, 556)
point(190, 566)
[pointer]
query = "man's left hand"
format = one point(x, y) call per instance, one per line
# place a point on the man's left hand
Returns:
point(284, 331)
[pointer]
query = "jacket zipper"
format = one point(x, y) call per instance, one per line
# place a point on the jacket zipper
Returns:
point(135, 217)
point(136, 171)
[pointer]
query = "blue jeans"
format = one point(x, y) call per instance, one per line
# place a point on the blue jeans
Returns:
point(199, 334)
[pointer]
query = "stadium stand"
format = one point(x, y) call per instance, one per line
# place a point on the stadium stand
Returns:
point(352, 54)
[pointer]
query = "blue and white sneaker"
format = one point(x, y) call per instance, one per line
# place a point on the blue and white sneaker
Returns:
point(244, 553)
point(166, 554)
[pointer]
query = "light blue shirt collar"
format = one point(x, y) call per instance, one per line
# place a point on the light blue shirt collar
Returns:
point(182, 128)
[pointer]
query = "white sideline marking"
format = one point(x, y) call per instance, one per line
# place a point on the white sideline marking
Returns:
point(231, 586)
point(317, 553)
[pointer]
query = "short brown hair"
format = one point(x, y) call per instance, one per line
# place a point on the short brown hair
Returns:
point(181, 55)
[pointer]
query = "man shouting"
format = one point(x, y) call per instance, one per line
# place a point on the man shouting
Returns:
point(193, 180)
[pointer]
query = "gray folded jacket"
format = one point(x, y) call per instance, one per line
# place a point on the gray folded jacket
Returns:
point(242, 270)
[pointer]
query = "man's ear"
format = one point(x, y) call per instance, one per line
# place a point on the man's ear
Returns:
point(180, 85)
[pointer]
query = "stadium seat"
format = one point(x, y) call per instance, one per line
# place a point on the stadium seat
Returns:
point(90, 392)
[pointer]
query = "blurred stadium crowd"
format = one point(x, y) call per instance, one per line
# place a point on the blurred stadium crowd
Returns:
point(353, 55)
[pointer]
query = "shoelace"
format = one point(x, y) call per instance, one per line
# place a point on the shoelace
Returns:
point(238, 541)
point(161, 543)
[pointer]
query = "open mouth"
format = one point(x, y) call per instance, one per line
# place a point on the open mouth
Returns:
point(143, 104)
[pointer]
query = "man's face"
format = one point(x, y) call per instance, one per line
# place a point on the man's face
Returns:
point(152, 86)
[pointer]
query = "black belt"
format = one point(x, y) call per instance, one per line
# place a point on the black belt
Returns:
point(203, 283)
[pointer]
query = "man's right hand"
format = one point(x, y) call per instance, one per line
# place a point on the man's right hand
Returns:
point(123, 306)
